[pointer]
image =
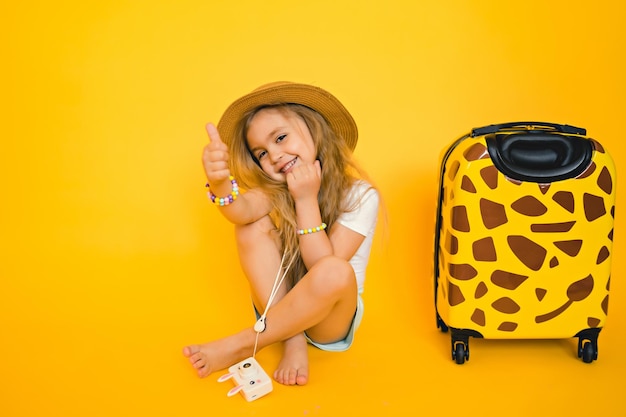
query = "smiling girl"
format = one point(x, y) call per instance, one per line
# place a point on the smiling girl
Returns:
point(290, 146)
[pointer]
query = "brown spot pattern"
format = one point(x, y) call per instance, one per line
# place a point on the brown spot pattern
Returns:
point(603, 255)
point(463, 272)
point(490, 176)
point(507, 280)
point(475, 152)
point(452, 243)
point(570, 247)
point(554, 262)
point(544, 188)
point(547, 317)
point(455, 296)
point(565, 199)
point(597, 146)
point(605, 305)
point(460, 221)
point(529, 206)
point(478, 317)
point(484, 250)
point(505, 305)
point(493, 214)
point(528, 252)
point(453, 170)
point(605, 182)
point(540, 293)
point(467, 185)
point(593, 322)
point(507, 326)
point(580, 290)
point(481, 290)
point(552, 227)
point(594, 207)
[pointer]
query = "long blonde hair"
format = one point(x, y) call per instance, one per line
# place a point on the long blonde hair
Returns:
point(339, 172)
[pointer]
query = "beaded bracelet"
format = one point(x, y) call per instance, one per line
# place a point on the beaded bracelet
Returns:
point(313, 230)
point(230, 198)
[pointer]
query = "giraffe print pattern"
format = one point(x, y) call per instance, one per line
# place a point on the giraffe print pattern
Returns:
point(521, 259)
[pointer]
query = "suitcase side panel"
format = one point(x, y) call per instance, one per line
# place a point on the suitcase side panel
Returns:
point(520, 259)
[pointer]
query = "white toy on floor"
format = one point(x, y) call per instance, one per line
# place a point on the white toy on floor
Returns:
point(250, 379)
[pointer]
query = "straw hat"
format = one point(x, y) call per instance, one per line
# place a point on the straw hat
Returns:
point(284, 92)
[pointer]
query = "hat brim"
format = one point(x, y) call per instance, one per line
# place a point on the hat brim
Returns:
point(337, 116)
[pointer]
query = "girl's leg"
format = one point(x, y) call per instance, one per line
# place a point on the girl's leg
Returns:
point(259, 255)
point(323, 303)
point(331, 279)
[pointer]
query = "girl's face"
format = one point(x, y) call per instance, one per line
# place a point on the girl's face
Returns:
point(280, 141)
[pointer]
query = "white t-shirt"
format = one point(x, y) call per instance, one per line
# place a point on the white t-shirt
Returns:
point(363, 221)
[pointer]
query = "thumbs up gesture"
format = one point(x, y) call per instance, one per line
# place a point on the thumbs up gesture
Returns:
point(215, 158)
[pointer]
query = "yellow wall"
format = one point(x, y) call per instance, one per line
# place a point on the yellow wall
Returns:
point(111, 259)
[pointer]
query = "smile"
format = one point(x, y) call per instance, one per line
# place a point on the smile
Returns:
point(288, 166)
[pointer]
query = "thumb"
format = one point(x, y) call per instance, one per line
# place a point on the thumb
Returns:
point(214, 135)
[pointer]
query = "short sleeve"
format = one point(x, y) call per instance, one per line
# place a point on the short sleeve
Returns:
point(364, 198)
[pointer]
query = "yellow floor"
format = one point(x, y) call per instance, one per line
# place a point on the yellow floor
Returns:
point(115, 351)
point(112, 260)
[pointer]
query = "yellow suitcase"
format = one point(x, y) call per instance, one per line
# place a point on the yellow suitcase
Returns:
point(524, 236)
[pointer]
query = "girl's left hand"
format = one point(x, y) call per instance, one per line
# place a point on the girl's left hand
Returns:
point(304, 181)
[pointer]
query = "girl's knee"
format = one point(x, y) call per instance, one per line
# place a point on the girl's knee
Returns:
point(334, 272)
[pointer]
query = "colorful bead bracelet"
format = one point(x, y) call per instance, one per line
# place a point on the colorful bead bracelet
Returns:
point(230, 198)
point(313, 230)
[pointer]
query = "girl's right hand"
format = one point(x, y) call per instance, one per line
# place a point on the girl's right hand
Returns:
point(215, 158)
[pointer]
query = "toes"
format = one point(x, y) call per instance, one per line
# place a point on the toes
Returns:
point(278, 376)
point(291, 376)
point(282, 376)
point(302, 378)
point(197, 359)
point(203, 371)
point(200, 365)
point(190, 350)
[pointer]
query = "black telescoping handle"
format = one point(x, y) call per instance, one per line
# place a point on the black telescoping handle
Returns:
point(486, 130)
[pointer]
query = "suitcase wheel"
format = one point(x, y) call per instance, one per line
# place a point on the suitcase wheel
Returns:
point(588, 352)
point(588, 345)
point(460, 353)
point(460, 346)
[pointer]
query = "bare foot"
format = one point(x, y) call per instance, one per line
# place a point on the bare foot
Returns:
point(219, 354)
point(293, 368)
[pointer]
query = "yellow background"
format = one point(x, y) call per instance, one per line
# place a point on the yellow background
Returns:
point(111, 259)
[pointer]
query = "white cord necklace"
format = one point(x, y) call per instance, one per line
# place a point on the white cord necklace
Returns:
point(259, 326)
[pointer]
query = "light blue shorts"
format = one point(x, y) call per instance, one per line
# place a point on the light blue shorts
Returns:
point(340, 345)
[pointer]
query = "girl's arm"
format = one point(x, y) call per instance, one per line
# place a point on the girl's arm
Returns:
point(348, 232)
point(246, 207)
point(304, 185)
point(341, 241)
